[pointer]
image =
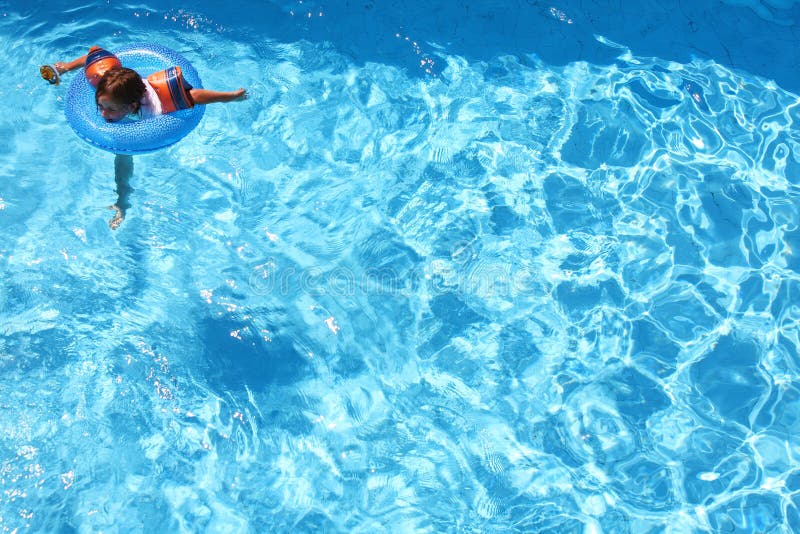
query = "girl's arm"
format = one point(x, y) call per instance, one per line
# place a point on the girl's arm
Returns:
point(205, 96)
point(51, 72)
point(76, 63)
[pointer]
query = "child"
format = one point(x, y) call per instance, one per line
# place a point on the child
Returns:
point(120, 92)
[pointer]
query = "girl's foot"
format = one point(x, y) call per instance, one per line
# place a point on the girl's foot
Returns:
point(118, 217)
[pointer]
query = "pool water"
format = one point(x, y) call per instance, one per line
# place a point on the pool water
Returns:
point(488, 279)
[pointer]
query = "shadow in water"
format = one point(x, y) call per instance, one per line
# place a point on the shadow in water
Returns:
point(761, 40)
point(237, 355)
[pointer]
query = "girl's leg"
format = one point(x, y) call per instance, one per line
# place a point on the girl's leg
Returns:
point(123, 170)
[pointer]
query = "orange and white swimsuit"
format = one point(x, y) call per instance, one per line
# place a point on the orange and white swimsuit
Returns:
point(165, 91)
point(174, 93)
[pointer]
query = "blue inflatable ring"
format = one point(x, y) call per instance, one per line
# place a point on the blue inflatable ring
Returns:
point(133, 136)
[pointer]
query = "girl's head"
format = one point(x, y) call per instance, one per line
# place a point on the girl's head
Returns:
point(118, 93)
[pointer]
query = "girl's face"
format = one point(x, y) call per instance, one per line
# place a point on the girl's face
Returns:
point(111, 110)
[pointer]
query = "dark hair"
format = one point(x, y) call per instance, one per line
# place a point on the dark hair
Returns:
point(121, 85)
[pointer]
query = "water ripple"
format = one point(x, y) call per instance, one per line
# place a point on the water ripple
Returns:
point(508, 297)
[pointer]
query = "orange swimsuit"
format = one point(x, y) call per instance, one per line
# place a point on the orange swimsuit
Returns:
point(98, 61)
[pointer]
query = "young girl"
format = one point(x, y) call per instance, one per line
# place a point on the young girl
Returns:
point(120, 92)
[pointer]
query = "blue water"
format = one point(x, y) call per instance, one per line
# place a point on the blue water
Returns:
point(451, 268)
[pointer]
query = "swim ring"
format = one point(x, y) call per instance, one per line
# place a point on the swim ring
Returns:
point(133, 136)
